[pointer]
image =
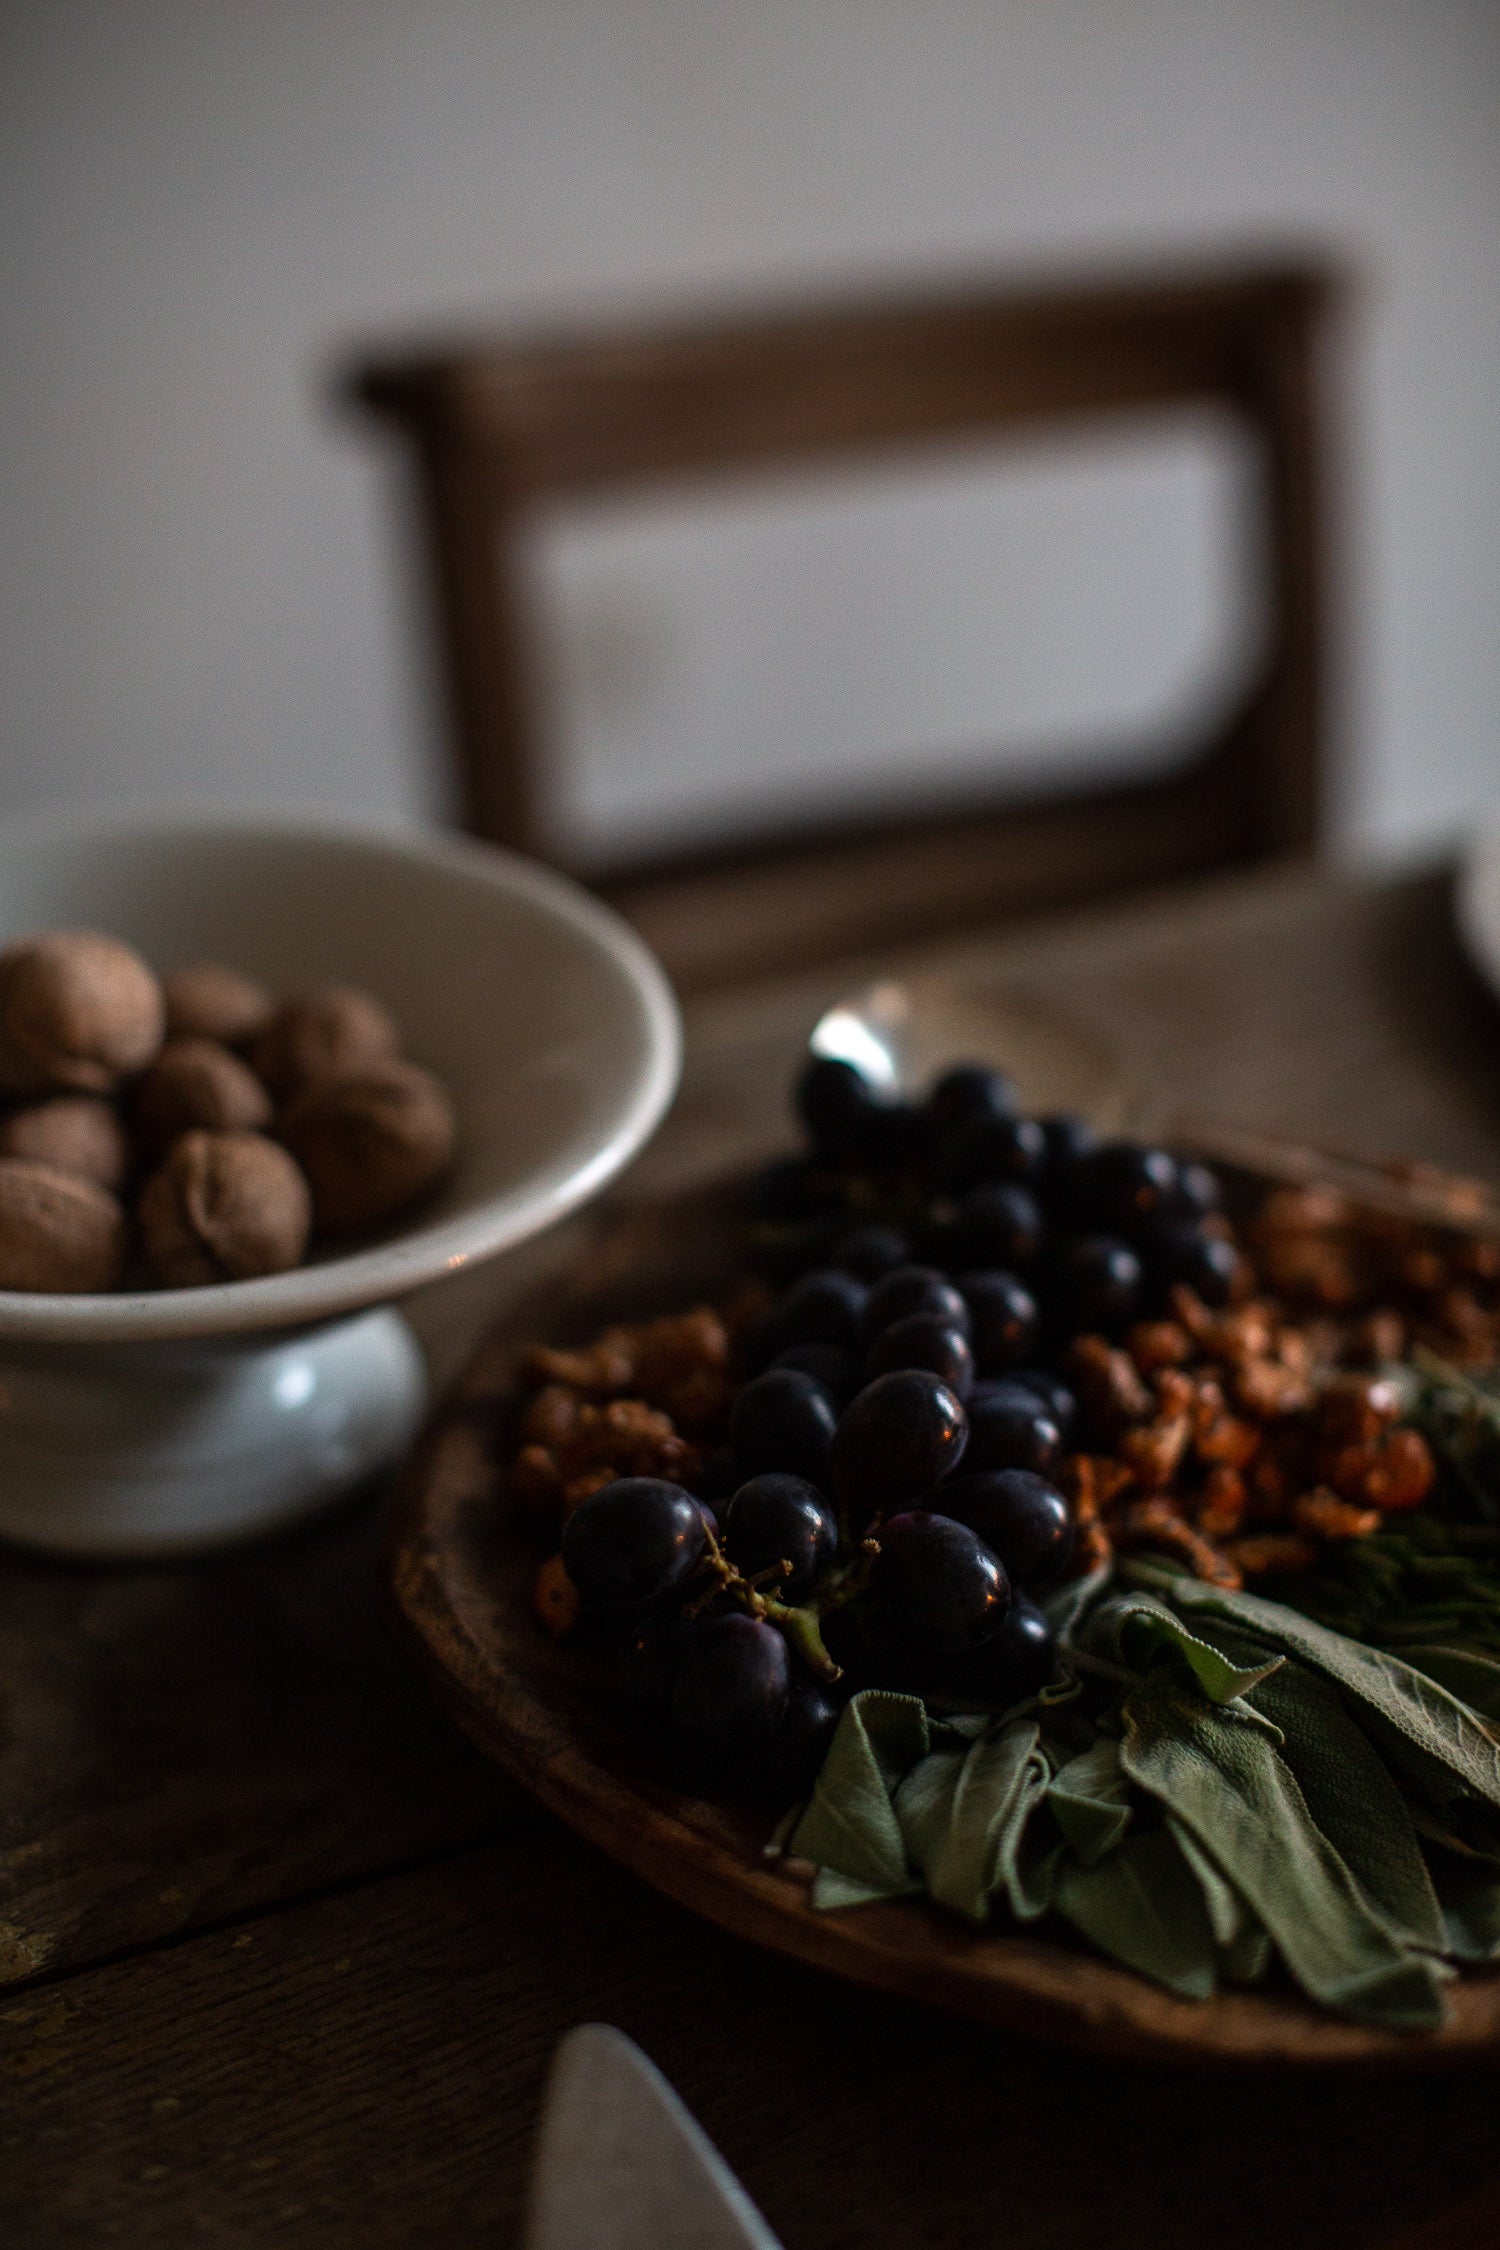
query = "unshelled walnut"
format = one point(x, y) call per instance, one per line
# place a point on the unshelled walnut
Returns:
point(79, 1012)
point(75, 1133)
point(210, 1002)
point(370, 1144)
point(196, 1082)
point(58, 1233)
point(224, 1207)
point(322, 1035)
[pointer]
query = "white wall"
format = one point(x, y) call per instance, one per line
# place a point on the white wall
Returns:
point(201, 203)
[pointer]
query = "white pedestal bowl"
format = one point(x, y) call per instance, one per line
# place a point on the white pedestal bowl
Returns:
point(164, 1421)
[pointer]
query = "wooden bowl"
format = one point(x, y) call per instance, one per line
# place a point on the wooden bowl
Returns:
point(460, 1565)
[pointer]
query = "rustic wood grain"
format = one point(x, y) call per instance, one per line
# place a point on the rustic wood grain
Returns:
point(389, 2102)
point(184, 1744)
point(363, 2071)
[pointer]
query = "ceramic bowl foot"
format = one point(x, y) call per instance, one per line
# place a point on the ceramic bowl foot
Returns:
point(123, 1451)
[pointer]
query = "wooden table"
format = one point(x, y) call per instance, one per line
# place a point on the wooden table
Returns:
point(283, 1960)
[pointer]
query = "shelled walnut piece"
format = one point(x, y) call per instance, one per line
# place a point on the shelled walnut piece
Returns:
point(613, 1408)
point(1214, 1437)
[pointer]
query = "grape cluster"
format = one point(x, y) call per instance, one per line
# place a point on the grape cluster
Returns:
point(885, 1509)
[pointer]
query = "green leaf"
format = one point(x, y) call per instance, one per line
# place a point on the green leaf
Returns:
point(1089, 1798)
point(1474, 1679)
point(1134, 1628)
point(850, 1827)
point(1142, 1905)
point(1347, 1787)
point(962, 1815)
point(1227, 1786)
point(1413, 1718)
point(1228, 1914)
point(1067, 1604)
point(1469, 1889)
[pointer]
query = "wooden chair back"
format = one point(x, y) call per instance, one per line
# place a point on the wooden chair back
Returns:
point(499, 430)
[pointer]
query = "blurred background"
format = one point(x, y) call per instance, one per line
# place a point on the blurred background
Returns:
point(208, 590)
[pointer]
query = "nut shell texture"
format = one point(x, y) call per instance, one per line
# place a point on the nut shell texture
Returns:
point(326, 1034)
point(79, 1012)
point(75, 1133)
point(193, 1083)
point(224, 1207)
point(209, 1002)
point(58, 1233)
point(371, 1144)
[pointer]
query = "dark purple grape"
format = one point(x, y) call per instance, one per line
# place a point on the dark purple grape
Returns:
point(650, 1656)
point(786, 1252)
point(632, 1540)
point(1069, 1140)
point(896, 1440)
point(1094, 1282)
point(781, 1519)
point(939, 1583)
point(1020, 1516)
point(1124, 1186)
point(719, 1478)
point(840, 1372)
point(1177, 1251)
point(872, 1251)
point(733, 1683)
point(795, 1187)
point(924, 1340)
point(1197, 1193)
point(1053, 1393)
point(998, 1225)
point(1015, 1663)
point(1010, 1428)
point(836, 1104)
point(969, 1090)
point(907, 1290)
point(896, 1139)
point(1003, 1319)
point(823, 1307)
point(789, 1764)
point(783, 1420)
point(989, 1148)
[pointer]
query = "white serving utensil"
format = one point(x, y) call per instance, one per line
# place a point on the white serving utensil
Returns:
point(621, 2164)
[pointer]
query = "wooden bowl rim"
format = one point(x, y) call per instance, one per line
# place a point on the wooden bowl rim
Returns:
point(443, 1589)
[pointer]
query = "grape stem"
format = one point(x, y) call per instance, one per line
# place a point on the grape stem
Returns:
point(804, 1629)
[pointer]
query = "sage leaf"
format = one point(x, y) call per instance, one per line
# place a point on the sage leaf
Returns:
point(1067, 1604)
point(961, 1815)
point(1469, 1890)
point(1228, 1914)
point(1142, 1905)
point(1418, 1722)
point(1348, 1789)
point(1473, 1678)
point(850, 1827)
point(1133, 1628)
point(1227, 1786)
point(1089, 1798)
point(1245, 1951)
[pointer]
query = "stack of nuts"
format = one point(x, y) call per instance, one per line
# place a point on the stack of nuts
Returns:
point(231, 1125)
